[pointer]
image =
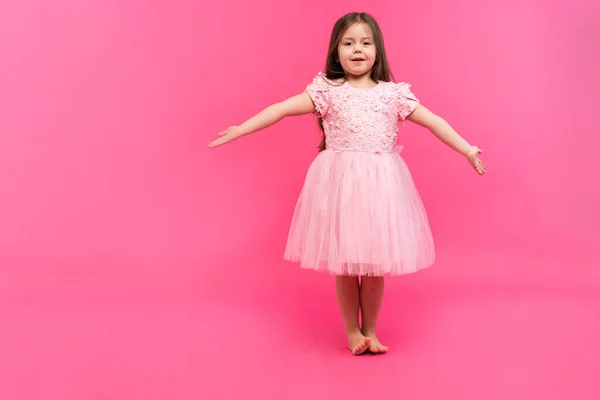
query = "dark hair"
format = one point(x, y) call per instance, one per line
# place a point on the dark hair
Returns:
point(333, 68)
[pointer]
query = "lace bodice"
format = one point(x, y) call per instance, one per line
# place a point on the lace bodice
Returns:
point(361, 119)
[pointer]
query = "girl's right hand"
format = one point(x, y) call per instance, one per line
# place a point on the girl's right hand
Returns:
point(226, 136)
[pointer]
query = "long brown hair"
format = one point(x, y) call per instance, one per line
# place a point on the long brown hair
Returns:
point(333, 68)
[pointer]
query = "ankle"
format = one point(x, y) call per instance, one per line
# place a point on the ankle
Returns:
point(369, 331)
point(353, 331)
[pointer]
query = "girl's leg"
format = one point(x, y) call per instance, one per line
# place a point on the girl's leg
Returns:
point(371, 297)
point(347, 291)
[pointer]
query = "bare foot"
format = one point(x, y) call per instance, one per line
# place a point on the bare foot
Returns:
point(358, 343)
point(375, 346)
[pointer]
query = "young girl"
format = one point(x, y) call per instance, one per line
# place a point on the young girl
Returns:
point(359, 214)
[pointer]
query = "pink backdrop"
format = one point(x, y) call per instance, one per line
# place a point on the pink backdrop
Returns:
point(113, 209)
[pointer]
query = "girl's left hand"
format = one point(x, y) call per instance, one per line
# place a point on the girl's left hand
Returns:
point(472, 156)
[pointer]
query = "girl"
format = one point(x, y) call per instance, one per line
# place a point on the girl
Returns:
point(359, 214)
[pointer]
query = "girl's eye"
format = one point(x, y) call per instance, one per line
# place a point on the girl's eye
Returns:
point(350, 43)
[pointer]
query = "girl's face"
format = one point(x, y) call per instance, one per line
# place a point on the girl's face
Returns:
point(356, 50)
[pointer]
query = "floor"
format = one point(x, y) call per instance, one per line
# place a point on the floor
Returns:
point(100, 337)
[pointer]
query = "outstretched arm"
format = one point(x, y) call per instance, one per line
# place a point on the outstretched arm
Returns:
point(296, 105)
point(443, 131)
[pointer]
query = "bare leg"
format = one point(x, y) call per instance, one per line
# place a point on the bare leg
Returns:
point(371, 297)
point(347, 291)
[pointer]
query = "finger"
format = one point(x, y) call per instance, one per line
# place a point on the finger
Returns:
point(216, 143)
point(222, 133)
point(478, 166)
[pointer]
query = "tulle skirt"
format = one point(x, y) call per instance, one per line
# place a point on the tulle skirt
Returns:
point(359, 213)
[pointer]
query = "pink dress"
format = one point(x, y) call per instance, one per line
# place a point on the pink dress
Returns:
point(359, 212)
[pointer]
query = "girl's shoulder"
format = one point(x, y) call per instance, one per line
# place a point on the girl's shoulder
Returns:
point(396, 86)
point(321, 80)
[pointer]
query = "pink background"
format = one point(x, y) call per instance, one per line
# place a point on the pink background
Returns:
point(137, 263)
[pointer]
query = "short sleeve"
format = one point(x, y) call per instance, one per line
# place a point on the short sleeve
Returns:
point(318, 90)
point(407, 101)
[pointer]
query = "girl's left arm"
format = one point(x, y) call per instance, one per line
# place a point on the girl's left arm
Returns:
point(443, 131)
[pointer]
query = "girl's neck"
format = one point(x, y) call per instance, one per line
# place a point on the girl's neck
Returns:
point(362, 81)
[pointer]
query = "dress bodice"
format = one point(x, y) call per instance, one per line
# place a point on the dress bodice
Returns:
point(361, 119)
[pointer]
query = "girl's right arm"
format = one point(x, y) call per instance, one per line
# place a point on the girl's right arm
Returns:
point(296, 105)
